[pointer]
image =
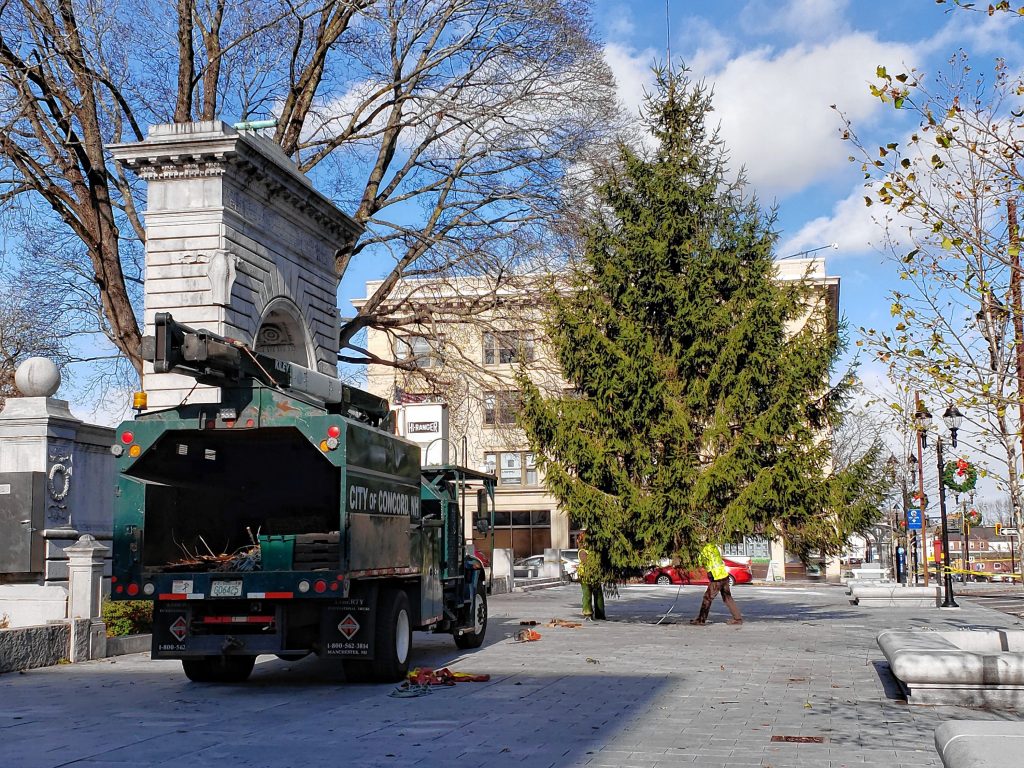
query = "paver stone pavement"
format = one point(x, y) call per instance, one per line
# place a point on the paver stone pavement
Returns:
point(628, 692)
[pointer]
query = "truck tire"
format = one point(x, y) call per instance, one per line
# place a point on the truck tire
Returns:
point(234, 669)
point(219, 669)
point(392, 641)
point(198, 670)
point(474, 637)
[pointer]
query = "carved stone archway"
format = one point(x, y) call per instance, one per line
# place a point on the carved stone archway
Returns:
point(237, 242)
point(282, 333)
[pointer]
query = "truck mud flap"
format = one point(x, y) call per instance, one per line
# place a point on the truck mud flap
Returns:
point(170, 629)
point(347, 628)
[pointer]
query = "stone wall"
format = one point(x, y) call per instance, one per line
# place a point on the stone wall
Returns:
point(29, 647)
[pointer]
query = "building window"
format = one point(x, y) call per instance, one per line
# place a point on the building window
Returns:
point(501, 407)
point(526, 532)
point(504, 347)
point(421, 351)
point(513, 468)
point(751, 546)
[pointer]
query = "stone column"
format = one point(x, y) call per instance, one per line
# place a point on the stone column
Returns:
point(777, 560)
point(240, 243)
point(85, 594)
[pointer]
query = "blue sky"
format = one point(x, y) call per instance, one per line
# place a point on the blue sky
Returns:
point(776, 68)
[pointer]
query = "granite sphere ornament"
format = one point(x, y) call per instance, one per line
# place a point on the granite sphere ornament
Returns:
point(37, 377)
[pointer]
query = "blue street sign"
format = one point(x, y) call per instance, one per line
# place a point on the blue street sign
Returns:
point(913, 519)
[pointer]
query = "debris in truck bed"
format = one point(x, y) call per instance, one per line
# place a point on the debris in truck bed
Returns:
point(245, 559)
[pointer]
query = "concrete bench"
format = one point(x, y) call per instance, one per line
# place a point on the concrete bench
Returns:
point(894, 596)
point(866, 575)
point(878, 573)
point(980, 743)
point(972, 668)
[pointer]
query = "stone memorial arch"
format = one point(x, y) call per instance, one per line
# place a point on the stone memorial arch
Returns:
point(238, 242)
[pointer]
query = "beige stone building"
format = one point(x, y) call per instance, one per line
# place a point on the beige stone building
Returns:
point(469, 359)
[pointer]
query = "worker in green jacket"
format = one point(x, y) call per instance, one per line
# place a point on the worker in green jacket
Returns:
point(589, 575)
point(710, 559)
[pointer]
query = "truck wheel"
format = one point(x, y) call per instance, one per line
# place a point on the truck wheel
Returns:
point(474, 637)
point(198, 670)
point(219, 669)
point(392, 637)
point(234, 669)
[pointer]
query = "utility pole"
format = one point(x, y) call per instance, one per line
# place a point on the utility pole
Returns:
point(1018, 332)
point(920, 491)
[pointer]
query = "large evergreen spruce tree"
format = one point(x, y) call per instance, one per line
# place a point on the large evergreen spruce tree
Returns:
point(700, 406)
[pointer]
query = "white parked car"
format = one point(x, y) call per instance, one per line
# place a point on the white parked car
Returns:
point(529, 567)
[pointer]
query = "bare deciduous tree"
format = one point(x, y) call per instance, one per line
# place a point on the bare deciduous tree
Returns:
point(453, 130)
point(31, 324)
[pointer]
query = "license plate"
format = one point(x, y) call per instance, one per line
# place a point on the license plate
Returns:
point(226, 588)
point(181, 587)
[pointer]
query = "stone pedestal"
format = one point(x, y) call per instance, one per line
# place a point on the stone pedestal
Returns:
point(237, 242)
point(85, 595)
point(40, 434)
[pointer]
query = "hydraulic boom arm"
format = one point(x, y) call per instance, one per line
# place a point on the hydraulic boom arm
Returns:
point(217, 360)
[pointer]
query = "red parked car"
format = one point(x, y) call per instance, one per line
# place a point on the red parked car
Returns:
point(739, 573)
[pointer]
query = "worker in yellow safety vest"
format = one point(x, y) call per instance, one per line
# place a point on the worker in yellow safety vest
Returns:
point(710, 559)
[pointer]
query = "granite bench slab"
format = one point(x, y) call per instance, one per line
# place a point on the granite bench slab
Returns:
point(973, 668)
point(980, 743)
point(876, 595)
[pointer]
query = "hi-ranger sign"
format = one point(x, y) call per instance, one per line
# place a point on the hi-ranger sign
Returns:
point(421, 427)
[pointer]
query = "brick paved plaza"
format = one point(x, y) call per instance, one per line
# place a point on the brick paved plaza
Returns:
point(619, 693)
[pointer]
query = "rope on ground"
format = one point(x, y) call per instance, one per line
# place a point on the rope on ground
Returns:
point(420, 680)
point(409, 690)
point(669, 611)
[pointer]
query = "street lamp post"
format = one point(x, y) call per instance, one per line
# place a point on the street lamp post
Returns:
point(922, 420)
point(952, 419)
point(912, 534)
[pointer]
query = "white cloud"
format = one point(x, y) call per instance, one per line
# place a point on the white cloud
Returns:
point(632, 70)
point(802, 19)
point(620, 22)
point(775, 110)
point(851, 224)
point(714, 50)
point(978, 34)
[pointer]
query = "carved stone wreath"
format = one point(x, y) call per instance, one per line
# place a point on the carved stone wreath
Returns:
point(58, 469)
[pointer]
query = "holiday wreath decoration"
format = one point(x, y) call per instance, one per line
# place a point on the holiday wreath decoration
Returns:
point(920, 501)
point(959, 476)
point(973, 517)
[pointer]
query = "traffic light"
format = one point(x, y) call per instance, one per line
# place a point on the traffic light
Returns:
point(999, 528)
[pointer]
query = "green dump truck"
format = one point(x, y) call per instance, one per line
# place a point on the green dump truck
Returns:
point(288, 519)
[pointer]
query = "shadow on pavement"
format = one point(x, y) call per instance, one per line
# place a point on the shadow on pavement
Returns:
point(890, 685)
point(648, 606)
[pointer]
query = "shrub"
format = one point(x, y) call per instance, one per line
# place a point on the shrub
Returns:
point(127, 617)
